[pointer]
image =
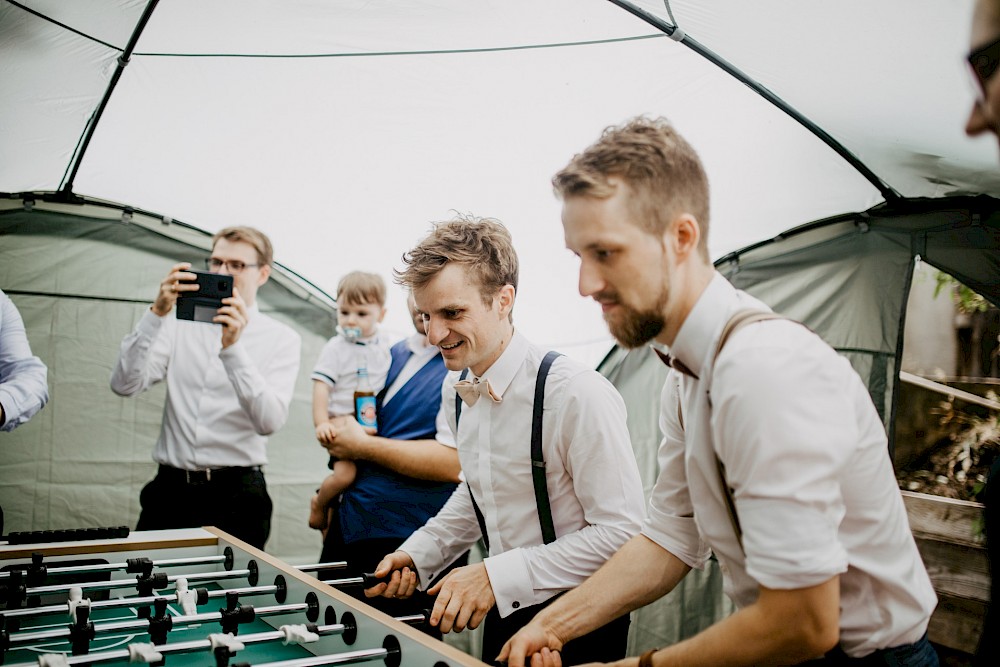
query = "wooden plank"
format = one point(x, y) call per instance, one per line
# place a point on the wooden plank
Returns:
point(136, 541)
point(957, 623)
point(946, 519)
point(956, 569)
point(948, 391)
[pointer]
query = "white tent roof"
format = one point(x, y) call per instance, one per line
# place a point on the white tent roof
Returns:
point(343, 128)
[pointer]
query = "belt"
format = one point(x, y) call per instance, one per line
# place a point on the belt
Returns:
point(206, 475)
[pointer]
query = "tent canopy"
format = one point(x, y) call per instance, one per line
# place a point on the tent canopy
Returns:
point(343, 128)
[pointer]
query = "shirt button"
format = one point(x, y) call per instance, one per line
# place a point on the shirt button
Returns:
point(515, 604)
point(431, 578)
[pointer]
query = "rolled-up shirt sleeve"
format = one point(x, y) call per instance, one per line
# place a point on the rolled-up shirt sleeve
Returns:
point(670, 515)
point(784, 469)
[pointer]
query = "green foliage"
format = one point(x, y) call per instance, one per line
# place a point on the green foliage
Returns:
point(965, 299)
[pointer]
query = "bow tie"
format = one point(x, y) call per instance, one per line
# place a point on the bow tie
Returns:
point(675, 363)
point(471, 391)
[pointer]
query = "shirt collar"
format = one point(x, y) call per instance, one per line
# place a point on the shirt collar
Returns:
point(417, 344)
point(503, 370)
point(698, 335)
point(369, 340)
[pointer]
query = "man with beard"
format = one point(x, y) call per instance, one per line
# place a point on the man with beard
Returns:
point(984, 61)
point(773, 456)
point(549, 516)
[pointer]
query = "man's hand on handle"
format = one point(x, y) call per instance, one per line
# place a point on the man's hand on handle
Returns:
point(398, 567)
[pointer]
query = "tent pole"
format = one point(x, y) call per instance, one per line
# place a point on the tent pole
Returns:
point(887, 192)
point(67, 188)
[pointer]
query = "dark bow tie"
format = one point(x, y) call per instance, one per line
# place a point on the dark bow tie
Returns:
point(675, 363)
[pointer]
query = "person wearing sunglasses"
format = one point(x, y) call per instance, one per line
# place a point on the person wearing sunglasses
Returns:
point(983, 62)
point(228, 389)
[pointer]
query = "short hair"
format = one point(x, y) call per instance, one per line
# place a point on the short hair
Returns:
point(255, 237)
point(482, 245)
point(359, 287)
point(655, 162)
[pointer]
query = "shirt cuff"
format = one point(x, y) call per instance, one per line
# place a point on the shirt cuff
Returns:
point(150, 323)
point(510, 580)
point(324, 378)
point(6, 400)
point(679, 536)
point(235, 357)
point(426, 555)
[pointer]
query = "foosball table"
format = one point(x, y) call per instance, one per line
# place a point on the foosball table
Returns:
point(193, 597)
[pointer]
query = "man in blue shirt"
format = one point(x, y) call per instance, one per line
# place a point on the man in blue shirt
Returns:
point(406, 471)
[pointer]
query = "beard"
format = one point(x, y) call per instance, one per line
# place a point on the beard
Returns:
point(634, 328)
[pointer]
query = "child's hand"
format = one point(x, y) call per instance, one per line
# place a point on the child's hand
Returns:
point(326, 433)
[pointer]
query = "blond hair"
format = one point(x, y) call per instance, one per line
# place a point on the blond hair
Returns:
point(255, 237)
point(358, 287)
point(482, 245)
point(655, 163)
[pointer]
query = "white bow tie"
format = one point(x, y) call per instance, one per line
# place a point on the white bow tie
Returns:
point(471, 391)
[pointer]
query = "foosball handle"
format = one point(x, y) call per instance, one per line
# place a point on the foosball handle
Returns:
point(371, 580)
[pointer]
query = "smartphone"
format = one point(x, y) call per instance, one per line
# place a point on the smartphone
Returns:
point(201, 306)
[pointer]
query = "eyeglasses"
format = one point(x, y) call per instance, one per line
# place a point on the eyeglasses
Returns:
point(983, 64)
point(234, 266)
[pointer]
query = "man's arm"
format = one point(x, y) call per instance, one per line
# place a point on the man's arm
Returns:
point(421, 459)
point(23, 387)
point(639, 573)
point(144, 352)
point(784, 627)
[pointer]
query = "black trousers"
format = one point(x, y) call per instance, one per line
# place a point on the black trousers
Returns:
point(362, 556)
point(232, 499)
point(605, 644)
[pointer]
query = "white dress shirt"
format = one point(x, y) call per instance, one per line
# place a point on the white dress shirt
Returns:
point(221, 404)
point(23, 388)
point(338, 365)
point(422, 352)
point(806, 456)
point(593, 482)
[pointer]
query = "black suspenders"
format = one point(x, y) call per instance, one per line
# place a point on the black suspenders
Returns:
point(537, 462)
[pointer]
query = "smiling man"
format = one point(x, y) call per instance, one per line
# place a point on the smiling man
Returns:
point(545, 531)
point(229, 384)
point(773, 457)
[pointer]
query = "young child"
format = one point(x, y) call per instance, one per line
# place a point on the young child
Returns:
point(360, 309)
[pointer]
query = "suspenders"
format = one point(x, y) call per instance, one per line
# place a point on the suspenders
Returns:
point(537, 462)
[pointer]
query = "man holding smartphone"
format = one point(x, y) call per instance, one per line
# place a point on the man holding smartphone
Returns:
point(229, 384)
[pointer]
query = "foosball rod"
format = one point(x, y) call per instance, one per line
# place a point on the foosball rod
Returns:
point(188, 646)
point(143, 624)
point(132, 583)
point(366, 579)
point(133, 565)
point(279, 588)
point(390, 653)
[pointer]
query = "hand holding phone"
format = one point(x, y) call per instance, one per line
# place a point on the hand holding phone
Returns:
point(202, 304)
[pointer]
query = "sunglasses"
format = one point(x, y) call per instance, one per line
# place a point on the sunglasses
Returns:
point(983, 63)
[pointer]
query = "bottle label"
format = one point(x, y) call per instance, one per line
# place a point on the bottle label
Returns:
point(364, 410)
